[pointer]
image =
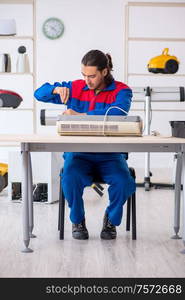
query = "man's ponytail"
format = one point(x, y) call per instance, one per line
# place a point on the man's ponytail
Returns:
point(109, 62)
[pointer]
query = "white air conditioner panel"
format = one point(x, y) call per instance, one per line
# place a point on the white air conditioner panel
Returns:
point(121, 126)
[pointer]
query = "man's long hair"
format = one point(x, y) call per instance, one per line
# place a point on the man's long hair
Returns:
point(96, 58)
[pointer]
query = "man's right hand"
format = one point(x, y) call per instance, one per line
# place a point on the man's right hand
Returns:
point(63, 92)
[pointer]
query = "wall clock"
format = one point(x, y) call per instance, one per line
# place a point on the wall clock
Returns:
point(53, 28)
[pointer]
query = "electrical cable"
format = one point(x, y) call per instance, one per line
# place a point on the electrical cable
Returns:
point(104, 120)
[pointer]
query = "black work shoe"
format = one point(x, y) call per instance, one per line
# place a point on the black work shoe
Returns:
point(79, 231)
point(108, 231)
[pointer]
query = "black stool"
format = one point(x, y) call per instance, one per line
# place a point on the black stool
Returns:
point(131, 206)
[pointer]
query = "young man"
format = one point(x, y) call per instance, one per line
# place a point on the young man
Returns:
point(93, 96)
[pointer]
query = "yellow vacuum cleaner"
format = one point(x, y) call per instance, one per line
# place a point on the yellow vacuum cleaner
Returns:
point(3, 176)
point(164, 63)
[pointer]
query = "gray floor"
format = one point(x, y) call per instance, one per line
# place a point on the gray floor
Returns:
point(153, 254)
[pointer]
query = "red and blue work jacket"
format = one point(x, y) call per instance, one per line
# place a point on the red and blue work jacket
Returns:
point(85, 100)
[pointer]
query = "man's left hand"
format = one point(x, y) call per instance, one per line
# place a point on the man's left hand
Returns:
point(70, 111)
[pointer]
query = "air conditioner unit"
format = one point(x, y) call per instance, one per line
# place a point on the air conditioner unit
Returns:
point(99, 125)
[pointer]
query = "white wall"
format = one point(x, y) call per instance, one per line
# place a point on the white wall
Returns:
point(88, 25)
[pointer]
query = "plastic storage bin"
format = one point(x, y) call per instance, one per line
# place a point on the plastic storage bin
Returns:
point(178, 128)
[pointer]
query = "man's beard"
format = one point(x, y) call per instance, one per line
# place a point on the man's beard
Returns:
point(97, 87)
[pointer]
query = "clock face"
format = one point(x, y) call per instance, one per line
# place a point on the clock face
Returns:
point(53, 28)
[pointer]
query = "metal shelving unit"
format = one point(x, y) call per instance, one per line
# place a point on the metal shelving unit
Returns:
point(148, 38)
point(138, 38)
point(32, 38)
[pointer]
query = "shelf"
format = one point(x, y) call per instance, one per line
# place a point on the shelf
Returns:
point(15, 109)
point(28, 36)
point(159, 4)
point(16, 37)
point(152, 74)
point(16, 1)
point(134, 38)
point(14, 73)
point(153, 39)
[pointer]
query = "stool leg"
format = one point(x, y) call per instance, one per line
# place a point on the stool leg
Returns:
point(128, 214)
point(134, 216)
point(59, 209)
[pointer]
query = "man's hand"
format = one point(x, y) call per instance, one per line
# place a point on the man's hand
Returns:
point(72, 112)
point(63, 92)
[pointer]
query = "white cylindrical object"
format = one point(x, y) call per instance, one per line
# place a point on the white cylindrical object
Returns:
point(22, 63)
point(7, 27)
point(49, 117)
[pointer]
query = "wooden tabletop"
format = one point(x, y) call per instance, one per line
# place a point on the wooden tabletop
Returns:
point(52, 138)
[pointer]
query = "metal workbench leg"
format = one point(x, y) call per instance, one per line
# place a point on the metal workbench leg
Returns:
point(178, 177)
point(25, 200)
point(147, 132)
point(30, 197)
point(183, 182)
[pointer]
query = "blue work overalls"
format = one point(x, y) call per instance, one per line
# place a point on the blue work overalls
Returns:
point(113, 169)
